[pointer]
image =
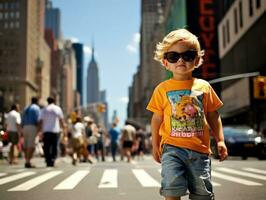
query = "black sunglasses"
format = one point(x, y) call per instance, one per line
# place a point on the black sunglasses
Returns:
point(173, 57)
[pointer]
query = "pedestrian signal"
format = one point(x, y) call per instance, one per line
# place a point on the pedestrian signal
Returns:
point(259, 84)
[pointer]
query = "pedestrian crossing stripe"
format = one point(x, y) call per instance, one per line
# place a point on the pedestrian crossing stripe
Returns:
point(234, 179)
point(15, 177)
point(145, 179)
point(237, 172)
point(72, 181)
point(259, 171)
point(35, 181)
point(3, 174)
point(109, 178)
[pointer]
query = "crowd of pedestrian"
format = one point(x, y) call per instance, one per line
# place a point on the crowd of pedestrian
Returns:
point(44, 131)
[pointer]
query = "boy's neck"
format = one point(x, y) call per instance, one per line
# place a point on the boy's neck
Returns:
point(182, 77)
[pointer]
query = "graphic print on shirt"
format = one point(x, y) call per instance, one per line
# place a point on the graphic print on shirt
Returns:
point(187, 117)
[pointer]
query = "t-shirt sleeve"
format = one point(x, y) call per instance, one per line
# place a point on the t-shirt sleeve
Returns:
point(18, 119)
point(213, 101)
point(156, 102)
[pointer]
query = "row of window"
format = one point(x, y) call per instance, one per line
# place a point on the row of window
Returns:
point(9, 6)
point(238, 19)
point(10, 25)
point(9, 15)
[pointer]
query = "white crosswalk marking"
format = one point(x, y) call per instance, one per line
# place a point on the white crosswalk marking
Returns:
point(15, 177)
point(35, 181)
point(72, 181)
point(109, 179)
point(215, 184)
point(234, 179)
point(145, 179)
point(3, 174)
point(247, 174)
point(259, 171)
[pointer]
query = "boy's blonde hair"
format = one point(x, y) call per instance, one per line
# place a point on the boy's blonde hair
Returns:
point(174, 37)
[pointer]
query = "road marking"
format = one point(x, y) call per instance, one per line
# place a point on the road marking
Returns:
point(72, 181)
point(145, 179)
point(234, 179)
point(215, 184)
point(35, 181)
point(3, 174)
point(15, 177)
point(247, 174)
point(109, 179)
point(260, 171)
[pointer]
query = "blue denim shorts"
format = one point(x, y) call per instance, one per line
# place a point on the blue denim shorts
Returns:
point(185, 170)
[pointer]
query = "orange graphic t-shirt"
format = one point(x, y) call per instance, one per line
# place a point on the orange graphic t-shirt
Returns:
point(184, 105)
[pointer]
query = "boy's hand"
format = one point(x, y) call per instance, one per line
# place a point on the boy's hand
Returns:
point(222, 150)
point(156, 155)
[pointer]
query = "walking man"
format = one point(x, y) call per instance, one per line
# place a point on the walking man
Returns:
point(13, 128)
point(51, 118)
point(30, 118)
point(114, 133)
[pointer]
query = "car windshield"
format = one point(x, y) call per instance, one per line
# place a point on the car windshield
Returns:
point(239, 131)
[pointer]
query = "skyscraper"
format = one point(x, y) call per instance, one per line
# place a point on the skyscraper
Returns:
point(93, 91)
point(78, 48)
point(53, 19)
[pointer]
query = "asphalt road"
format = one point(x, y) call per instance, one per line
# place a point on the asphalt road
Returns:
point(233, 179)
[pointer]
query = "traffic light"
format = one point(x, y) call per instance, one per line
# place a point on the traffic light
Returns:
point(259, 85)
point(101, 107)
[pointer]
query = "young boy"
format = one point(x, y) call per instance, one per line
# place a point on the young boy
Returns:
point(184, 108)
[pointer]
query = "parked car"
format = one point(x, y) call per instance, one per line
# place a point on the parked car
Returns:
point(242, 141)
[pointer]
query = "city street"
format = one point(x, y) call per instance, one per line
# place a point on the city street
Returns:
point(233, 179)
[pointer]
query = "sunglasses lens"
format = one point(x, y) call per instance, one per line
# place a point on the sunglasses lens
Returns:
point(189, 56)
point(172, 57)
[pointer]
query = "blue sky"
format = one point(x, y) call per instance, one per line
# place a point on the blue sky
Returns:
point(114, 25)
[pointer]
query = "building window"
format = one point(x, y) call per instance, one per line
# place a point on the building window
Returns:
point(236, 21)
point(224, 42)
point(17, 5)
point(11, 25)
point(6, 6)
point(1, 15)
point(228, 31)
point(6, 15)
point(250, 8)
point(17, 14)
point(12, 15)
point(1, 6)
point(17, 25)
point(5, 25)
point(258, 4)
point(240, 14)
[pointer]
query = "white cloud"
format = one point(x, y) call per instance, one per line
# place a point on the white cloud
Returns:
point(133, 46)
point(87, 50)
point(123, 100)
point(74, 39)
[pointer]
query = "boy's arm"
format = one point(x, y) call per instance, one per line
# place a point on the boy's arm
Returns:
point(215, 123)
point(156, 138)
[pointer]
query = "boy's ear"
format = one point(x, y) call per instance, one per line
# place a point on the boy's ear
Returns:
point(165, 63)
point(197, 60)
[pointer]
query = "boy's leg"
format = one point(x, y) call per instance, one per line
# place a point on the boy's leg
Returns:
point(199, 176)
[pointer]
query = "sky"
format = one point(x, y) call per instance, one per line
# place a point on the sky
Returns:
point(113, 26)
